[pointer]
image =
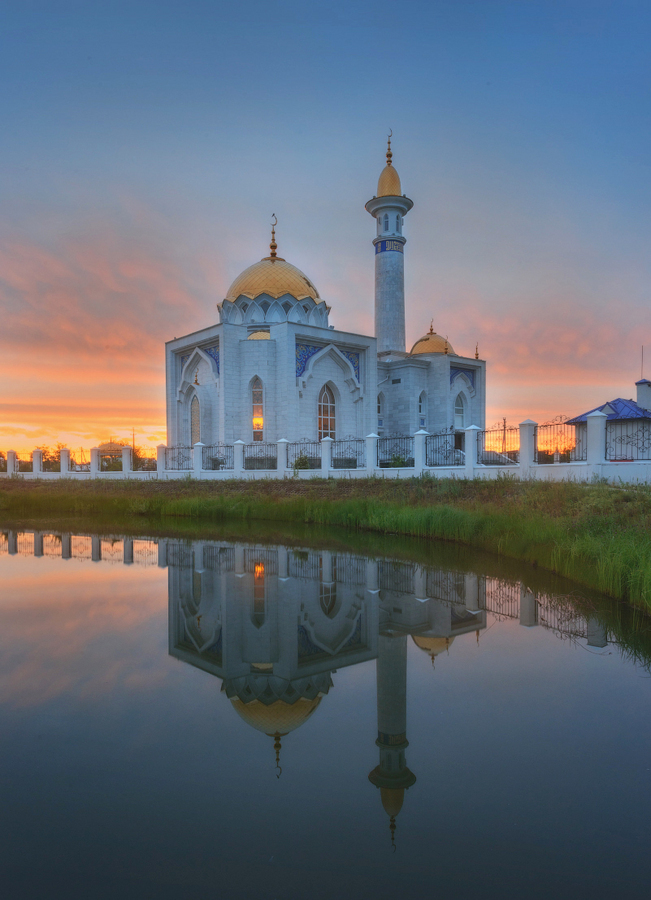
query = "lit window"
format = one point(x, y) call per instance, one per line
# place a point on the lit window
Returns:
point(195, 421)
point(258, 415)
point(258, 595)
point(459, 412)
point(326, 413)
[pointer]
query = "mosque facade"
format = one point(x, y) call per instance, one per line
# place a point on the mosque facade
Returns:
point(274, 367)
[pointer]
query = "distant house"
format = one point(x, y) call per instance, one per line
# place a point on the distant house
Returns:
point(628, 426)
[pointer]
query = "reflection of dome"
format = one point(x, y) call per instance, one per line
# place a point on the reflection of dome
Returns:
point(432, 645)
point(273, 276)
point(431, 343)
point(389, 183)
point(392, 800)
point(277, 718)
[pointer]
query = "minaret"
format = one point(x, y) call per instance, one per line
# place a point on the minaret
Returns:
point(388, 210)
point(392, 775)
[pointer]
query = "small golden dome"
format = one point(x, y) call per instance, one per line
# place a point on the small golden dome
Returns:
point(431, 343)
point(273, 276)
point(432, 645)
point(392, 800)
point(278, 717)
point(389, 183)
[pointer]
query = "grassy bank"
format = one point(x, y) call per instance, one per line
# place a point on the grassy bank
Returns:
point(597, 535)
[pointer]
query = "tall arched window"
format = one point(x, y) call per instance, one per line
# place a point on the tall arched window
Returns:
point(380, 412)
point(422, 410)
point(258, 595)
point(398, 223)
point(459, 412)
point(386, 221)
point(195, 421)
point(326, 413)
point(257, 418)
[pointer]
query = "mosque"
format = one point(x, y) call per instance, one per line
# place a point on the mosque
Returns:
point(274, 367)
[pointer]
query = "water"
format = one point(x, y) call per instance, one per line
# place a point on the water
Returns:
point(200, 719)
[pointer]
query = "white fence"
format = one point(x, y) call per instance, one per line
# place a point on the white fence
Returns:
point(370, 459)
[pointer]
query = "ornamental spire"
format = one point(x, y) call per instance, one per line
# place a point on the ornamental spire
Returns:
point(389, 153)
point(273, 246)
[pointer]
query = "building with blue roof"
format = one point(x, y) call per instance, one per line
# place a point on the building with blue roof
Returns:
point(628, 425)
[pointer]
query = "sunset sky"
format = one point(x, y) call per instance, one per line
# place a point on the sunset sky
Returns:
point(145, 146)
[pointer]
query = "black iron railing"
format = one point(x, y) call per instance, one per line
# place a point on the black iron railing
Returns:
point(143, 463)
point(349, 453)
point(178, 458)
point(440, 450)
point(395, 452)
point(25, 463)
point(51, 462)
point(498, 446)
point(304, 454)
point(260, 456)
point(3, 463)
point(559, 442)
point(217, 456)
point(628, 441)
point(78, 464)
point(108, 462)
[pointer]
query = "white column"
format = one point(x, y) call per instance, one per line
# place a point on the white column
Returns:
point(37, 461)
point(66, 546)
point(326, 456)
point(238, 458)
point(419, 451)
point(372, 580)
point(527, 440)
point(283, 563)
point(96, 548)
point(162, 554)
point(420, 584)
point(94, 462)
point(127, 551)
point(12, 543)
point(38, 543)
point(596, 423)
point(597, 634)
point(126, 460)
point(160, 459)
point(65, 462)
point(239, 560)
point(472, 591)
point(12, 464)
point(471, 451)
point(371, 452)
point(528, 607)
point(197, 459)
point(282, 454)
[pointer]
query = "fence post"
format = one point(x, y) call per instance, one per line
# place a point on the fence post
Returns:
point(238, 458)
point(596, 454)
point(470, 452)
point(64, 462)
point(326, 456)
point(282, 455)
point(12, 467)
point(37, 461)
point(419, 451)
point(126, 460)
point(371, 452)
point(197, 459)
point(94, 462)
point(527, 429)
point(160, 459)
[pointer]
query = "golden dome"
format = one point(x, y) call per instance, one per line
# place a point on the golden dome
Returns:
point(392, 800)
point(273, 276)
point(278, 717)
point(389, 183)
point(432, 645)
point(431, 343)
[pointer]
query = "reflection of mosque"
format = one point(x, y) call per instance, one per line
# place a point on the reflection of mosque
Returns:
point(274, 624)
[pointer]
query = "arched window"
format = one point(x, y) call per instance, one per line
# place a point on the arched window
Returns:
point(258, 614)
point(326, 413)
point(422, 410)
point(257, 410)
point(398, 223)
point(195, 421)
point(380, 412)
point(386, 221)
point(459, 412)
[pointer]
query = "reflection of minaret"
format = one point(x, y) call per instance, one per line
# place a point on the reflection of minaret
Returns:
point(392, 775)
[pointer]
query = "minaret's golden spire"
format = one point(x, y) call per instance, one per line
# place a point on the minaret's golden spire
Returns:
point(273, 246)
point(277, 748)
point(477, 351)
point(389, 153)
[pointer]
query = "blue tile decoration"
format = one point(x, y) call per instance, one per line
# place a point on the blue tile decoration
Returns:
point(213, 353)
point(353, 358)
point(355, 639)
point(303, 354)
point(184, 359)
point(469, 373)
point(306, 646)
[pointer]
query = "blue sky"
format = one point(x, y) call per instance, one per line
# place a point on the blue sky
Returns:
point(146, 145)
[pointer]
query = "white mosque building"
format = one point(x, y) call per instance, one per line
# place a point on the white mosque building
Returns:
point(274, 367)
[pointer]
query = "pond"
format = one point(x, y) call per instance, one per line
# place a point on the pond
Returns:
point(315, 717)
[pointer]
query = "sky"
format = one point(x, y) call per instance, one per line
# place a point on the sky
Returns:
point(145, 146)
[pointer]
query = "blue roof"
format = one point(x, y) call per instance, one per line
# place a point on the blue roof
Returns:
point(622, 409)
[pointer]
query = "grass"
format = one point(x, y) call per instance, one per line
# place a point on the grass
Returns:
point(597, 535)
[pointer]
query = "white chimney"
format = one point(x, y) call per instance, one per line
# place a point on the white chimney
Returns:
point(643, 393)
